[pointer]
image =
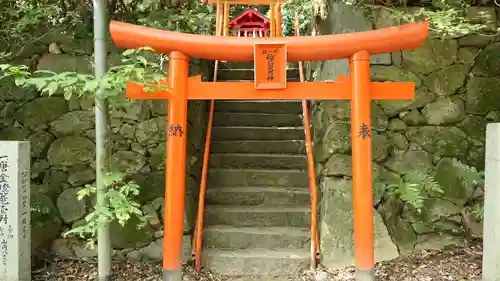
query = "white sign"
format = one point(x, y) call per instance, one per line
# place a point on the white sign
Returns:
point(15, 246)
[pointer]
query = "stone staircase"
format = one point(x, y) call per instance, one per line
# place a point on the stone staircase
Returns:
point(257, 214)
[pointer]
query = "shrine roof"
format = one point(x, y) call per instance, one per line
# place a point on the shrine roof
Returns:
point(249, 16)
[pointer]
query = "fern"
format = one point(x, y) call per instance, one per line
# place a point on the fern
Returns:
point(414, 187)
point(478, 178)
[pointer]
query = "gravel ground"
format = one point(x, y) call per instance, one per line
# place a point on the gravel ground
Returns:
point(457, 264)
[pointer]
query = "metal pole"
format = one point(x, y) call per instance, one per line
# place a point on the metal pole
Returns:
point(101, 128)
point(362, 166)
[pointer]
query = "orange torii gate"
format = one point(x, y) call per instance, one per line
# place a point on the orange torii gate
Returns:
point(270, 56)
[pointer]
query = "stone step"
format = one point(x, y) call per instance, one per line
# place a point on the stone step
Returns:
point(246, 74)
point(257, 195)
point(247, 65)
point(258, 161)
point(283, 146)
point(261, 106)
point(241, 133)
point(230, 237)
point(236, 65)
point(261, 215)
point(256, 119)
point(256, 262)
point(256, 177)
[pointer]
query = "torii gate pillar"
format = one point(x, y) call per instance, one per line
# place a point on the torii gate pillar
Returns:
point(176, 167)
point(362, 166)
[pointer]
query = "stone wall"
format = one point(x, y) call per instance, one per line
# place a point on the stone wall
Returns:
point(61, 133)
point(440, 133)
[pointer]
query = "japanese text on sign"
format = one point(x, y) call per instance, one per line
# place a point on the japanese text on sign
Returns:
point(270, 65)
point(25, 178)
point(6, 231)
point(270, 58)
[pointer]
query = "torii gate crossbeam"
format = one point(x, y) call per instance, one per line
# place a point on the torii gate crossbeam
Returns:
point(270, 83)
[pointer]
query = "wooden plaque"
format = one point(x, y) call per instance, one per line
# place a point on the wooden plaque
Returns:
point(270, 66)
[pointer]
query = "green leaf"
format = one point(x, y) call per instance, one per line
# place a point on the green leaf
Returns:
point(475, 176)
point(38, 82)
point(45, 71)
point(19, 80)
point(158, 77)
point(91, 86)
point(142, 60)
point(83, 192)
point(71, 80)
point(67, 95)
point(90, 244)
point(147, 48)
point(137, 211)
point(111, 178)
point(128, 52)
point(51, 88)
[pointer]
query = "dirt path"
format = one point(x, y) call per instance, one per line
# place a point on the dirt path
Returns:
point(455, 264)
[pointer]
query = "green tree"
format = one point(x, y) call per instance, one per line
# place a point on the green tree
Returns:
point(134, 67)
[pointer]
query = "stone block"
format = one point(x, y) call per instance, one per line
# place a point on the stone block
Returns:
point(190, 207)
point(71, 150)
point(154, 251)
point(73, 122)
point(130, 235)
point(381, 59)
point(65, 62)
point(457, 188)
point(395, 74)
point(337, 227)
point(36, 113)
point(422, 97)
point(475, 40)
point(485, 16)
point(70, 207)
point(441, 141)
point(487, 63)
point(444, 111)
point(446, 82)
point(433, 55)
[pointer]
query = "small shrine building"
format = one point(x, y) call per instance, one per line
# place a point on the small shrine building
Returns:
point(250, 23)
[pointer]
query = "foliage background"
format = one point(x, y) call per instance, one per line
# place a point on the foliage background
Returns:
point(22, 20)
